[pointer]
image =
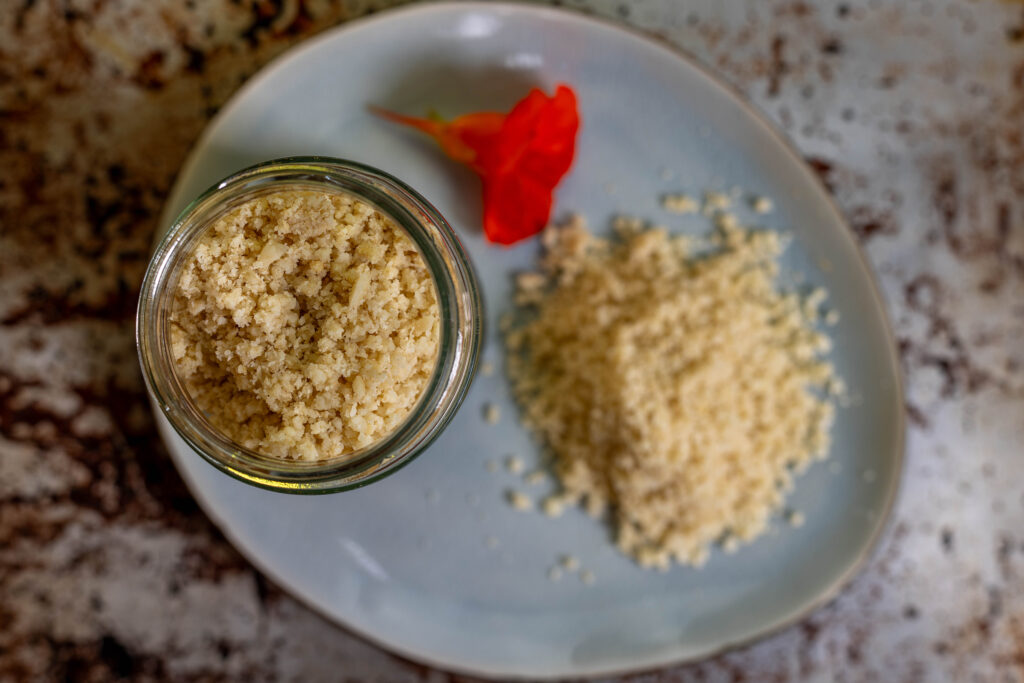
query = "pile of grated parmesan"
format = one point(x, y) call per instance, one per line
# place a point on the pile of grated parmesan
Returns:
point(680, 392)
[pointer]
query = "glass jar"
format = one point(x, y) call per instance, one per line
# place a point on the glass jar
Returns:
point(458, 301)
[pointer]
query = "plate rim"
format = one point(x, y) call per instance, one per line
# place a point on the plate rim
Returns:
point(884, 520)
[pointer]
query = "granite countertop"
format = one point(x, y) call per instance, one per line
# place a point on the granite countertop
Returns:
point(911, 111)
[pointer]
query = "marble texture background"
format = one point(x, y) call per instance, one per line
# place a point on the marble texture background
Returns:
point(911, 111)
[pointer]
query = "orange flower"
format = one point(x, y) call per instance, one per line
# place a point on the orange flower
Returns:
point(520, 157)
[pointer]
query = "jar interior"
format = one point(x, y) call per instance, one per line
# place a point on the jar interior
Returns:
point(454, 360)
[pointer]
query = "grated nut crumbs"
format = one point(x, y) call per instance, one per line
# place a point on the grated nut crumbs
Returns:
point(683, 393)
point(680, 203)
point(762, 205)
point(305, 325)
point(520, 501)
point(714, 202)
point(553, 506)
point(569, 562)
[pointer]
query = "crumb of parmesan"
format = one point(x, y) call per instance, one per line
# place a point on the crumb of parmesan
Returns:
point(520, 501)
point(553, 506)
point(714, 202)
point(762, 205)
point(680, 203)
point(730, 545)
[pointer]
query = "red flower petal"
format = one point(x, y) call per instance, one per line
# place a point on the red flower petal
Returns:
point(521, 157)
point(515, 207)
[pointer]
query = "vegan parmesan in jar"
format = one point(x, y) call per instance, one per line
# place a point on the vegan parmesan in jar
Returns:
point(676, 388)
point(305, 325)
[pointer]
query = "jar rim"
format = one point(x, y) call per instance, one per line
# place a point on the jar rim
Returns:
point(459, 303)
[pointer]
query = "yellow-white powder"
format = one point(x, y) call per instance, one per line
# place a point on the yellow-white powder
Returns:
point(678, 392)
point(305, 325)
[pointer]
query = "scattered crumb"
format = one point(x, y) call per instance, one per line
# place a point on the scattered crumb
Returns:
point(536, 477)
point(726, 222)
point(491, 542)
point(715, 201)
point(626, 226)
point(491, 465)
point(553, 506)
point(520, 501)
point(514, 464)
point(762, 205)
point(795, 519)
point(491, 413)
point(569, 563)
point(680, 203)
point(813, 302)
point(487, 368)
point(587, 577)
point(832, 318)
point(730, 545)
point(594, 506)
point(554, 574)
point(825, 265)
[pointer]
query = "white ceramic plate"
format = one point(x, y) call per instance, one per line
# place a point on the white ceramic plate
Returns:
point(409, 562)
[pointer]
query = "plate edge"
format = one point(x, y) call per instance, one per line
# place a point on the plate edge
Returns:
point(884, 520)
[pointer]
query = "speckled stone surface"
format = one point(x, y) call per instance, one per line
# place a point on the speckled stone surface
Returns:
point(913, 114)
